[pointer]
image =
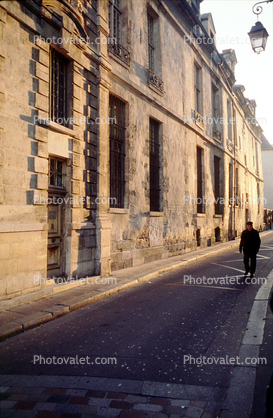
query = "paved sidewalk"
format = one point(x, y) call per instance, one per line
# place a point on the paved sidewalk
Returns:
point(87, 397)
point(17, 319)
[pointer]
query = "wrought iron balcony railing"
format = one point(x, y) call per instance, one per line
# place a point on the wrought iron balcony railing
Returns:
point(230, 145)
point(155, 81)
point(120, 52)
point(217, 135)
point(198, 119)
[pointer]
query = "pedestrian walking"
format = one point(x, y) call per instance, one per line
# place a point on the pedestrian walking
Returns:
point(250, 244)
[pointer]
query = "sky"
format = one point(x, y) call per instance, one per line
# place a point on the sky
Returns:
point(232, 21)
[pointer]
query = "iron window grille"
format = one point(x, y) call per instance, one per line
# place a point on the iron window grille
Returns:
point(154, 166)
point(117, 152)
point(151, 48)
point(217, 185)
point(214, 105)
point(197, 88)
point(258, 198)
point(199, 181)
point(230, 194)
point(56, 173)
point(58, 94)
point(237, 195)
point(216, 134)
point(229, 112)
point(114, 20)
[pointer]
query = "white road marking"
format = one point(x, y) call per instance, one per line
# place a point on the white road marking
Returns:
point(201, 285)
point(232, 268)
point(261, 256)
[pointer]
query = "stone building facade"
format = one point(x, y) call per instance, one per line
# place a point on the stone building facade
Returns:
point(124, 138)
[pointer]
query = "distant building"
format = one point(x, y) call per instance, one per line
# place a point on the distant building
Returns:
point(267, 159)
point(124, 138)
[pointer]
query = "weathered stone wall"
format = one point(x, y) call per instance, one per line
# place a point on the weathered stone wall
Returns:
point(97, 238)
point(27, 144)
point(137, 235)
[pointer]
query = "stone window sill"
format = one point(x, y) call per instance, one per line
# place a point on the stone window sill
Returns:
point(157, 214)
point(119, 211)
point(56, 127)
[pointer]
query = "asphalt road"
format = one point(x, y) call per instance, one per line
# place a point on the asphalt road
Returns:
point(147, 330)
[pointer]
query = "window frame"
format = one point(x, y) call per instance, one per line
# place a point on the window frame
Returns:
point(200, 179)
point(217, 184)
point(229, 117)
point(154, 165)
point(54, 163)
point(198, 96)
point(117, 152)
point(59, 92)
point(151, 45)
point(115, 14)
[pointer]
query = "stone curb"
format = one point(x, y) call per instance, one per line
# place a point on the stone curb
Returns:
point(41, 317)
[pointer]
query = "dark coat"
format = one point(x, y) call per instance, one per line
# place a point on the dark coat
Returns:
point(250, 241)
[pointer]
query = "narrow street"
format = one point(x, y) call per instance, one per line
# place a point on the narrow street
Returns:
point(154, 331)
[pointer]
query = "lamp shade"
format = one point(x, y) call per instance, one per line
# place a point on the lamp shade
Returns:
point(258, 37)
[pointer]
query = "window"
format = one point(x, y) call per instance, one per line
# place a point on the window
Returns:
point(199, 181)
point(154, 166)
point(230, 171)
point(258, 198)
point(229, 114)
point(197, 88)
point(257, 157)
point(217, 184)
point(117, 151)
point(235, 129)
point(115, 20)
point(215, 99)
point(59, 88)
point(214, 104)
point(237, 195)
point(151, 48)
point(56, 173)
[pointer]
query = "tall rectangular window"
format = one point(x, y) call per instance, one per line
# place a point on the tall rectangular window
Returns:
point(154, 166)
point(197, 89)
point(200, 205)
point(115, 20)
point(216, 125)
point(117, 151)
point(58, 88)
point(151, 47)
point(230, 194)
point(229, 115)
point(214, 91)
point(237, 195)
point(257, 157)
point(217, 185)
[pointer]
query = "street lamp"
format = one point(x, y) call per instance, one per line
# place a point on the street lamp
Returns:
point(258, 34)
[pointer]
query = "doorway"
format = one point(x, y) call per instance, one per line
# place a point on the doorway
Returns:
point(55, 239)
